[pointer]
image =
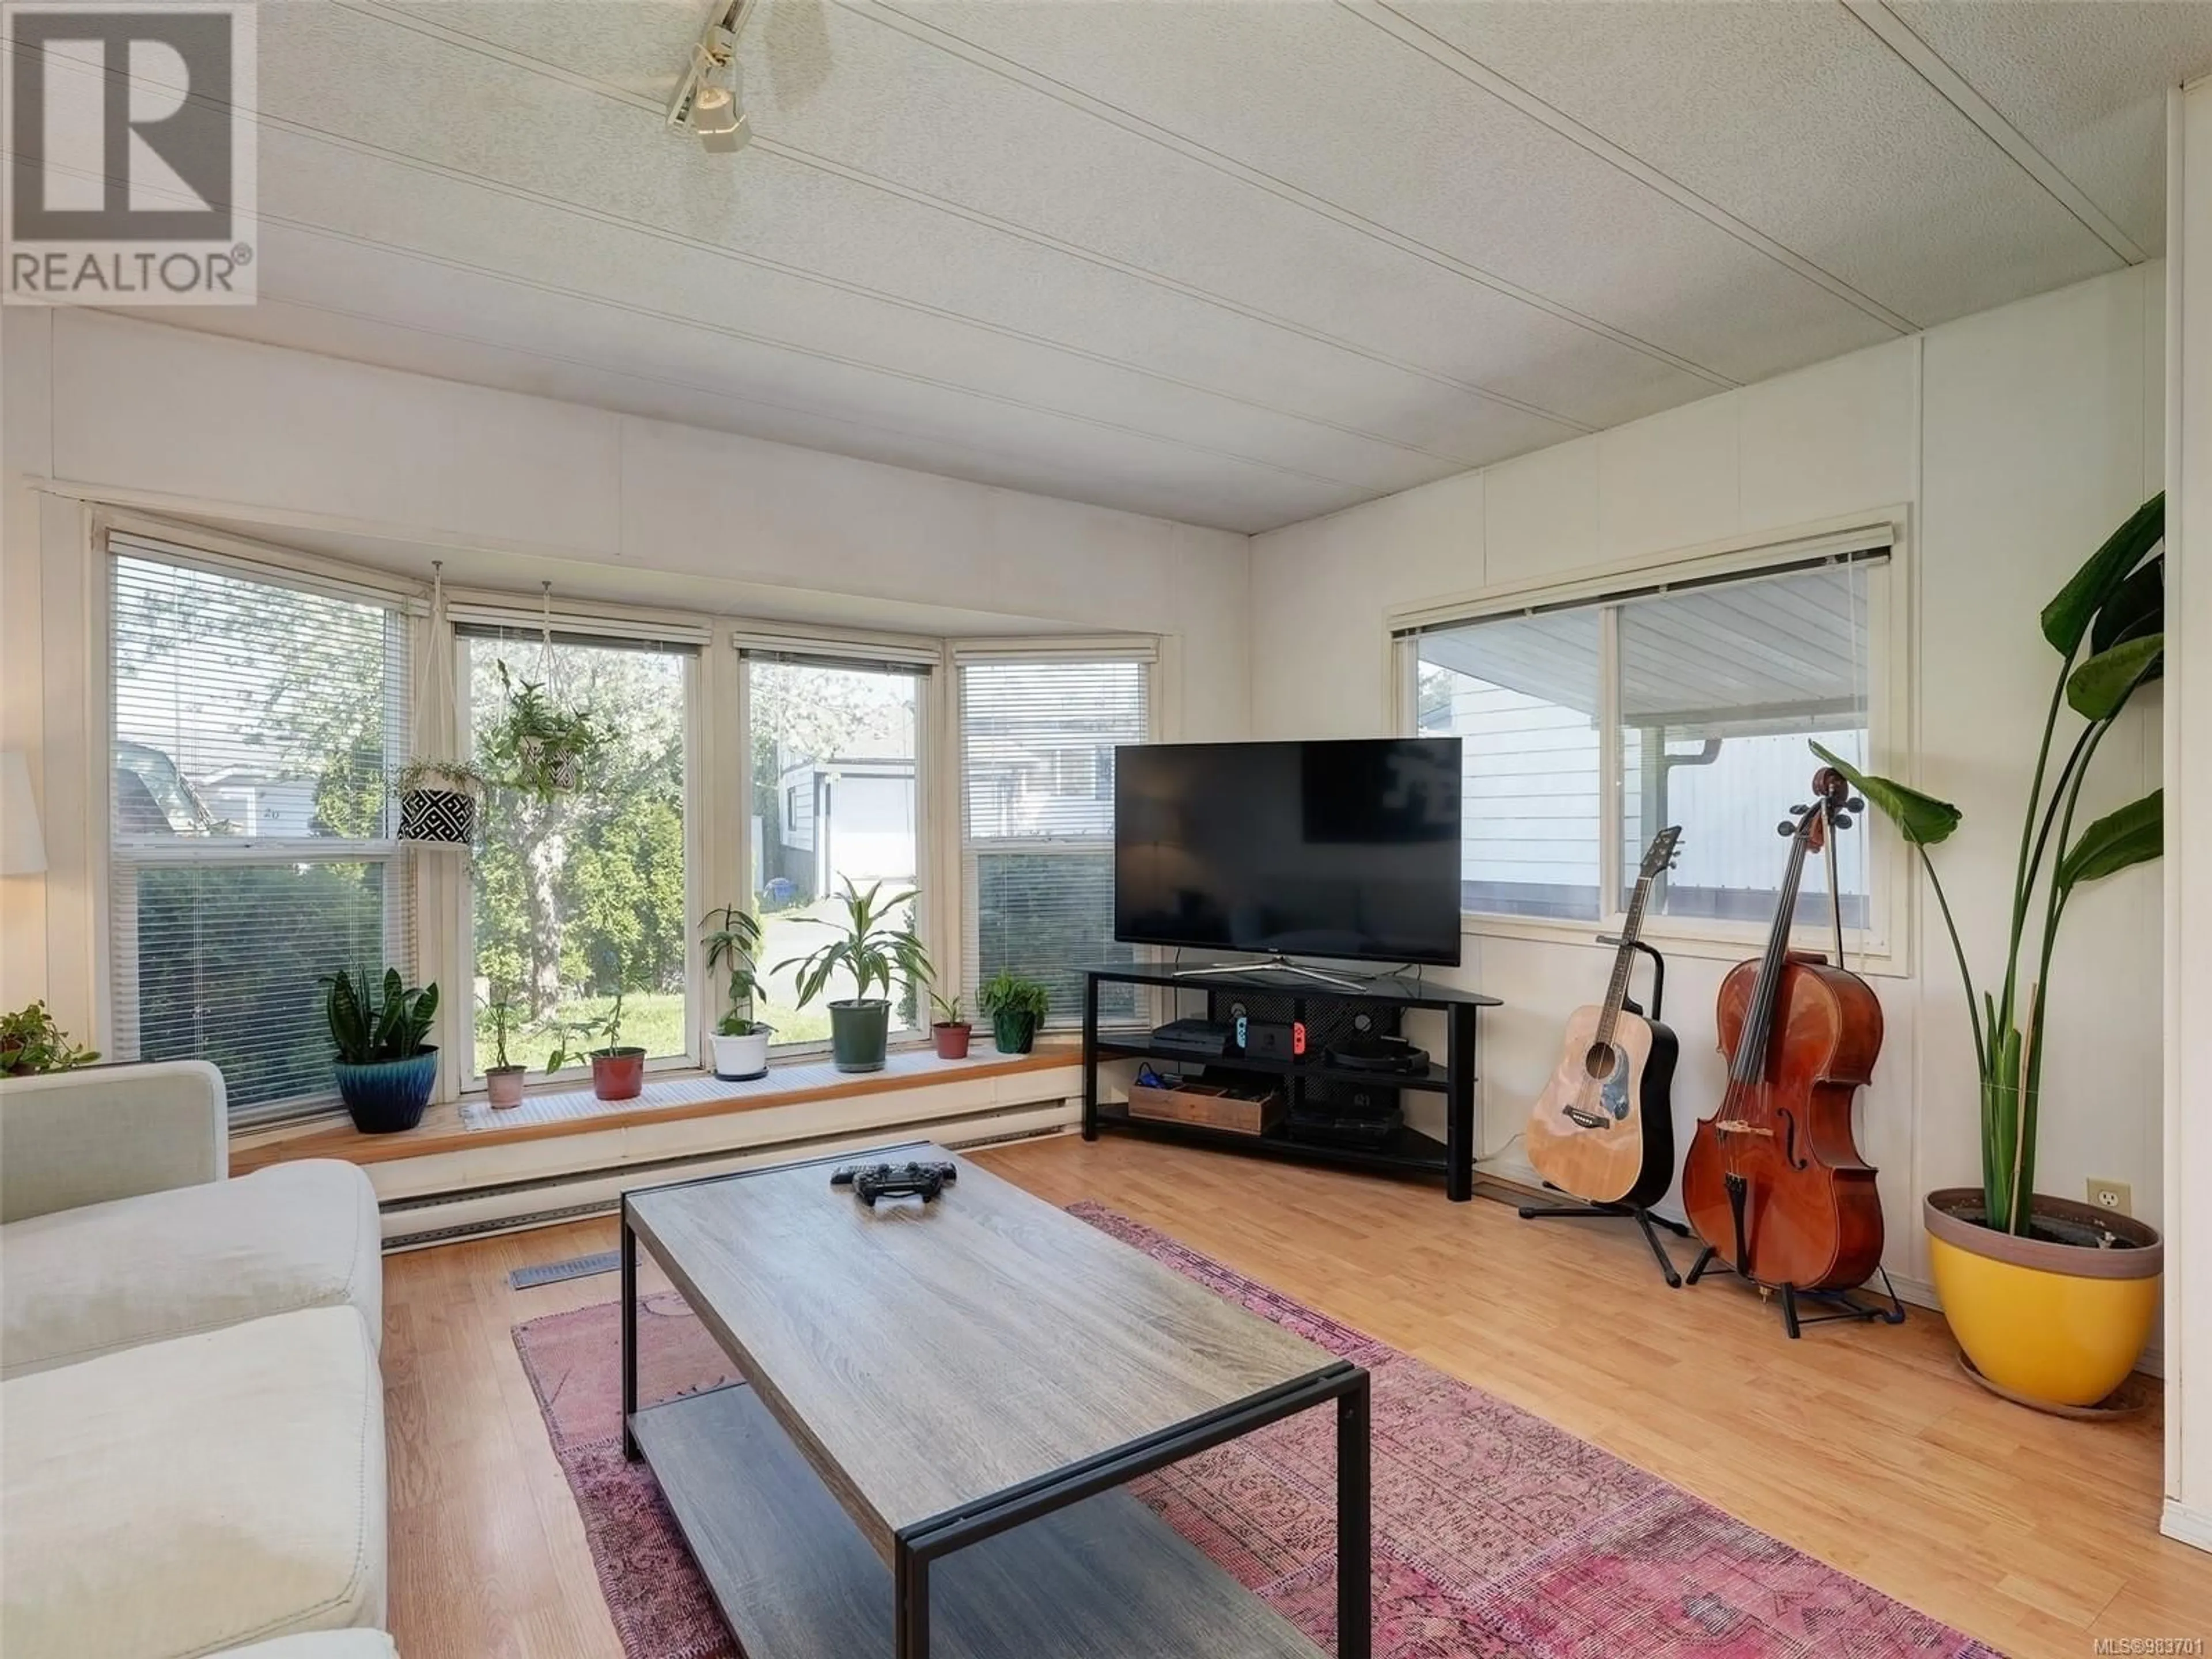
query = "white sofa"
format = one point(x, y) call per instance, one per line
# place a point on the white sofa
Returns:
point(191, 1417)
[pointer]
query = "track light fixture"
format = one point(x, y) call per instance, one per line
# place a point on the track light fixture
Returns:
point(710, 98)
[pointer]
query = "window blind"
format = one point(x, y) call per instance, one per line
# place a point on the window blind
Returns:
point(255, 725)
point(1036, 784)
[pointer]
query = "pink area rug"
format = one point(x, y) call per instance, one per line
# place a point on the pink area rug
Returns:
point(1495, 1533)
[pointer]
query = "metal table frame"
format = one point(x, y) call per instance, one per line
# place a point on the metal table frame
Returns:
point(916, 1546)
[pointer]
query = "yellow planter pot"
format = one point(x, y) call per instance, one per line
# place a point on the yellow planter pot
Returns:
point(2057, 1324)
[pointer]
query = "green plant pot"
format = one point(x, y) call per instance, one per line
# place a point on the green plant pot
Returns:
point(859, 1034)
point(1015, 1033)
point(388, 1097)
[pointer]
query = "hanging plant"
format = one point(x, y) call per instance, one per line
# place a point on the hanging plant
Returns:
point(537, 746)
point(440, 798)
point(439, 802)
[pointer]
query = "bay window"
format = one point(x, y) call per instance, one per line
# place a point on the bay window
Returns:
point(262, 705)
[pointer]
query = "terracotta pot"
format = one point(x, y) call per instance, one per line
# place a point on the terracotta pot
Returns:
point(2045, 1322)
point(951, 1040)
point(504, 1084)
point(618, 1074)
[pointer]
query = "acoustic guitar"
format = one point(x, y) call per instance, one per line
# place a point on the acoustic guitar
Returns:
point(1603, 1128)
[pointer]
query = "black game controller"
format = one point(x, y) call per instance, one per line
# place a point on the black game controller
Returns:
point(871, 1182)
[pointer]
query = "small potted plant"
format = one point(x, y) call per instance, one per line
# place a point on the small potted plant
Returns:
point(874, 953)
point(950, 1032)
point(503, 1079)
point(439, 801)
point(617, 1072)
point(385, 1071)
point(738, 1041)
point(535, 745)
point(30, 1043)
point(1017, 1006)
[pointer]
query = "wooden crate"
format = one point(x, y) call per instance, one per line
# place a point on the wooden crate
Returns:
point(1208, 1105)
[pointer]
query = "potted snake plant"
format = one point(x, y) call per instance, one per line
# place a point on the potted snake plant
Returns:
point(2050, 1300)
point(385, 1071)
point(738, 1041)
point(875, 952)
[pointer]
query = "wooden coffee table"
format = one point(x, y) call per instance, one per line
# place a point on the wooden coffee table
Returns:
point(941, 1406)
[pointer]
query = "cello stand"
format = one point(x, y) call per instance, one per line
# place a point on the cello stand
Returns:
point(1841, 1304)
point(1644, 1217)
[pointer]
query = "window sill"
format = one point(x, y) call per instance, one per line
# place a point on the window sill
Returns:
point(1676, 938)
point(468, 1125)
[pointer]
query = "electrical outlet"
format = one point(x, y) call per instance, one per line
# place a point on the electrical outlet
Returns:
point(2113, 1195)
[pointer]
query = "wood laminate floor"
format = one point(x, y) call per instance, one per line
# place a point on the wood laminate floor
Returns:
point(1860, 1445)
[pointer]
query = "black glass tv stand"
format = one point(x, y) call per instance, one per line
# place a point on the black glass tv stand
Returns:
point(1328, 1005)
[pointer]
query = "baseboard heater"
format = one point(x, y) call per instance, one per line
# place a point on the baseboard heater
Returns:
point(414, 1223)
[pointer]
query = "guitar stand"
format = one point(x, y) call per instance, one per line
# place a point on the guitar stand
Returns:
point(1644, 1219)
point(1841, 1304)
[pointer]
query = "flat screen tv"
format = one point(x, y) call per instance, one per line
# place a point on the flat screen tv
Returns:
point(1345, 849)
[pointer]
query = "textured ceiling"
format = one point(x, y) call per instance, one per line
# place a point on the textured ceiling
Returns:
point(1232, 263)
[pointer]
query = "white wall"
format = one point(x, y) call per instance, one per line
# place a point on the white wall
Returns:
point(312, 450)
point(2189, 800)
point(2017, 439)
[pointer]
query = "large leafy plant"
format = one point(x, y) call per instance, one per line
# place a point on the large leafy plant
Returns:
point(371, 1023)
point(870, 945)
point(731, 946)
point(2115, 606)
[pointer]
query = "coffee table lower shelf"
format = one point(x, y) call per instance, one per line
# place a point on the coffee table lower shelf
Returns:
point(1101, 1579)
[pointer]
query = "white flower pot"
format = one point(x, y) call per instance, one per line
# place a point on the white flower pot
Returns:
point(738, 1059)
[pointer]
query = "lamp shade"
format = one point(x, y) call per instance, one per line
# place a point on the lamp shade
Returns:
point(22, 849)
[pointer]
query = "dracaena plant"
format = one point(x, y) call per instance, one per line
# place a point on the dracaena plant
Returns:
point(371, 1024)
point(2107, 625)
point(868, 946)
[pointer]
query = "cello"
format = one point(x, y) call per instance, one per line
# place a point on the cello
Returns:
point(1773, 1182)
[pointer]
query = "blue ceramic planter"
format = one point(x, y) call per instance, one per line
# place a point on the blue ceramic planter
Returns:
point(389, 1095)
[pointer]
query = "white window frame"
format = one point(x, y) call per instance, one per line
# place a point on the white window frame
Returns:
point(718, 804)
point(1883, 946)
point(1145, 648)
point(196, 546)
point(581, 624)
point(831, 647)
